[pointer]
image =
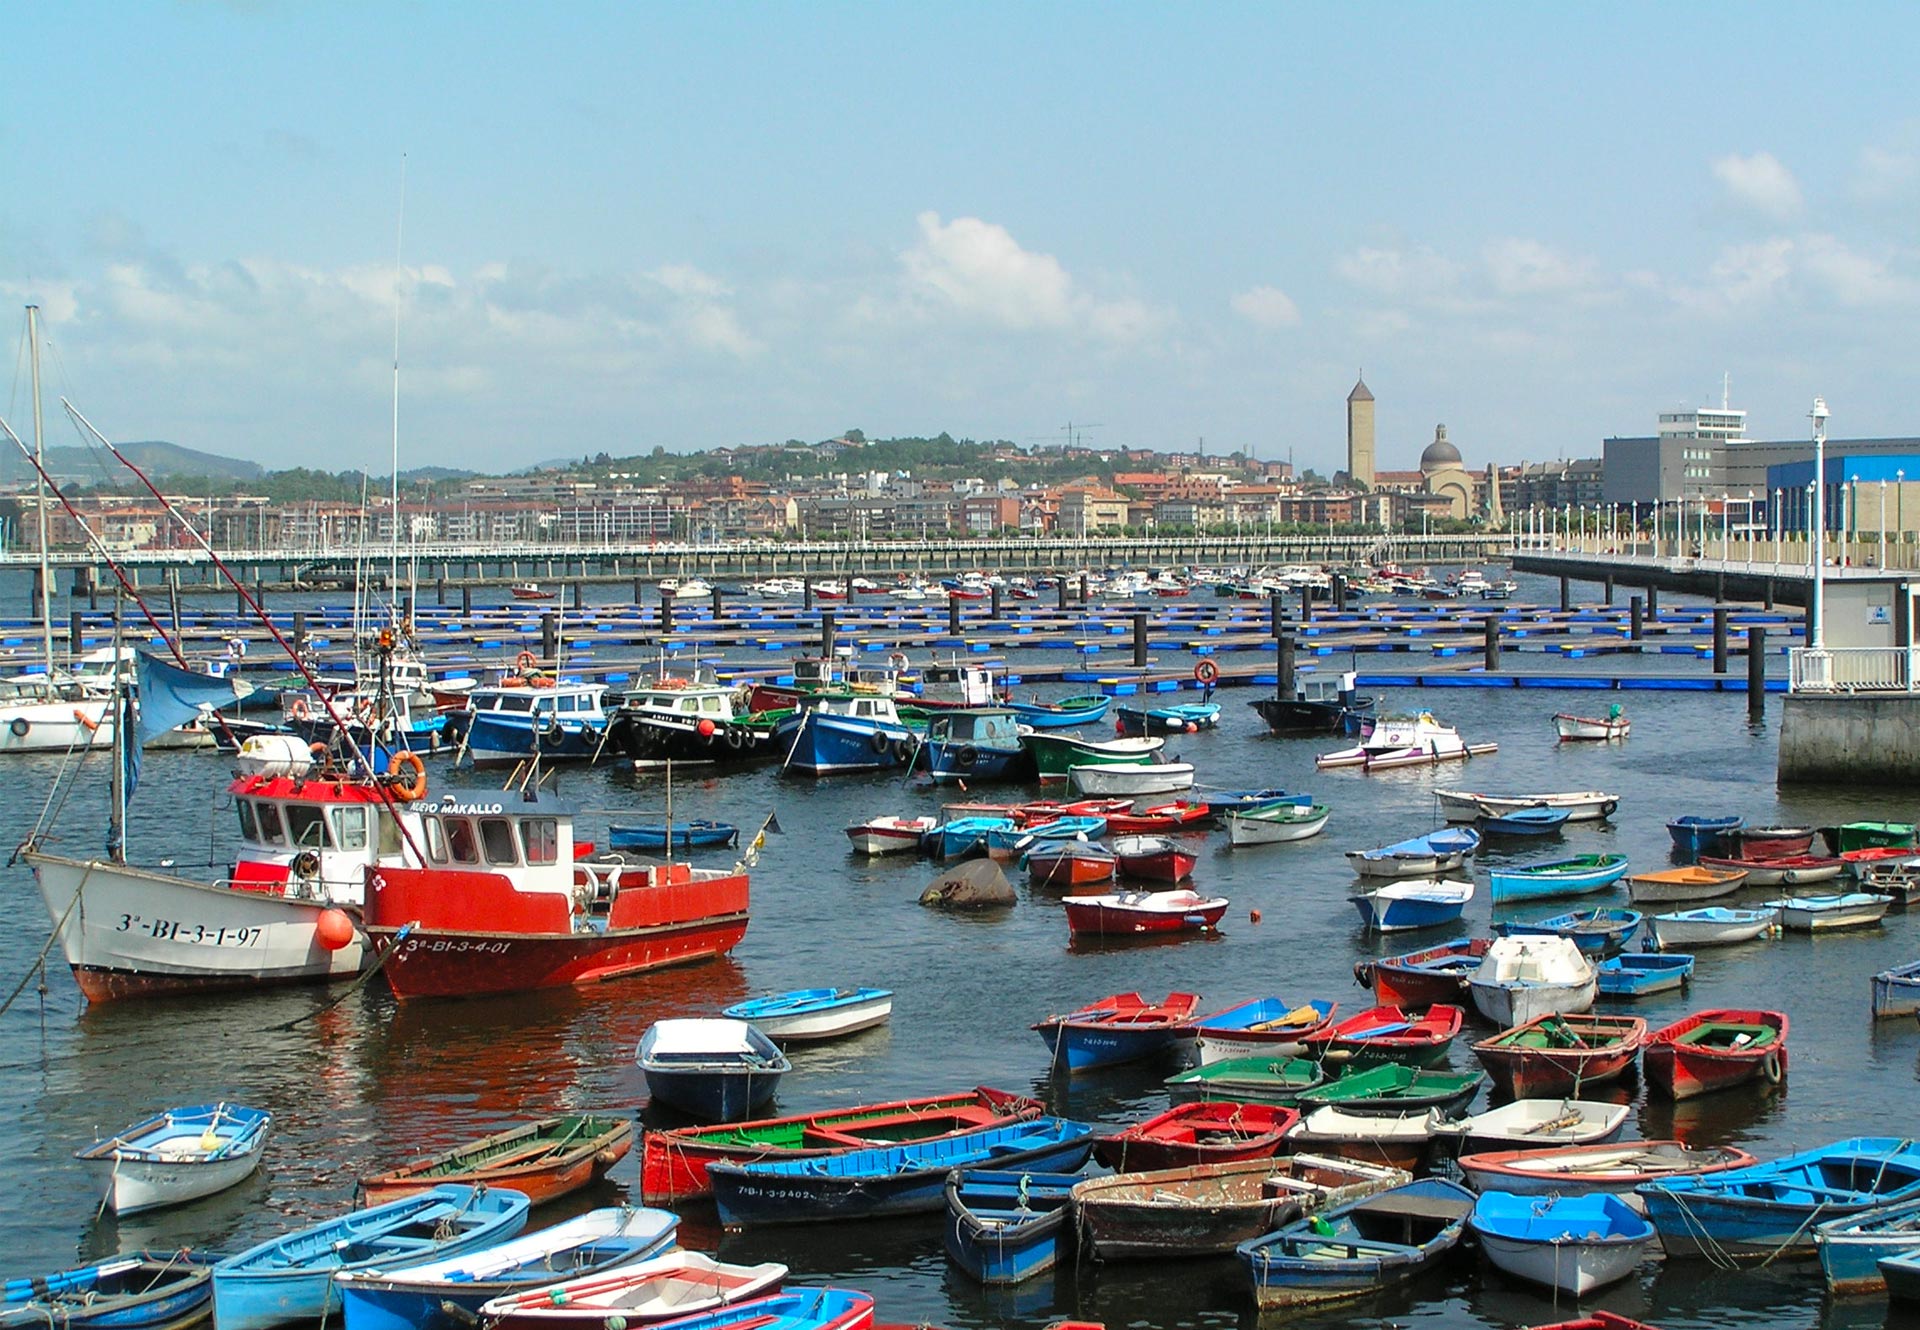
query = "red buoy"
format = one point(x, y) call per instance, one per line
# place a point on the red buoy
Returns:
point(1253, 916)
point(705, 728)
point(333, 930)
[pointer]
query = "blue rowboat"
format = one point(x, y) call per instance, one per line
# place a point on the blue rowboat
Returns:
point(717, 1069)
point(888, 1180)
point(1416, 903)
point(179, 1155)
point(1896, 992)
point(292, 1277)
point(699, 834)
point(432, 1296)
point(1063, 714)
point(1011, 840)
point(1526, 822)
point(1574, 1244)
point(1436, 852)
point(1695, 835)
point(814, 1013)
point(1596, 932)
point(1634, 974)
point(1181, 718)
point(1574, 875)
point(1123, 1027)
point(966, 835)
point(1222, 802)
point(1356, 1248)
point(1767, 1210)
point(1003, 1227)
point(1269, 1026)
point(1852, 1249)
point(141, 1290)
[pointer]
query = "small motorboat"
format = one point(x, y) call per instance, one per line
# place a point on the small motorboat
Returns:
point(1415, 903)
point(1426, 856)
point(1597, 932)
point(1787, 870)
point(1523, 978)
point(1222, 802)
point(807, 1014)
point(1178, 718)
point(1273, 824)
point(1547, 879)
point(1394, 1088)
point(1696, 835)
point(675, 1284)
point(1473, 806)
point(1712, 926)
point(1144, 913)
point(1571, 727)
point(890, 835)
point(1418, 979)
point(1264, 1027)
point(542, 1160)
point(1638, 974)
point(710, 1067)
point(1896, 991)
point(700, 834)
point(1155, 858)
point(1063, 714)
point(1005, 1227)
point(1388, 1034)
point(1071, 863)
point(1526, 822)
point(1582, 1170)
point(1195, 1133)
point(1561, 1054)
point(1250, 1080)
point(1535, 1123)
point(1716, 1049)
point(1124, 1027)
point(1692, 883)
point(1130, 780)
point(1405, 741)
point(1357, 1248)
point(529, 591)
point(1824, 914)
point(1771, 842)
point(140, 1290)
point(178, 1156)
point(1851, 836)
point(1571, 1244)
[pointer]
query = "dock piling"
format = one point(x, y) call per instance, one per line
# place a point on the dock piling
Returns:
point(1653, 601)
point(75, 623)
point(1284, 676)
point(995, 589)
point(466, 598)
point(1606, 590)
point(1719, 639)
point(1566, 594)
point(1636, 619)
point(1276, 614)
point(1756, 672)
point(953, 616)
point(1490, 642)
point(579, 594)
point(826, 634)
point(1060, 590)
point(549, 636)
point(1140, 639)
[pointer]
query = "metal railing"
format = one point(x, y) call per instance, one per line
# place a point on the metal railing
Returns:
point(1852, 670)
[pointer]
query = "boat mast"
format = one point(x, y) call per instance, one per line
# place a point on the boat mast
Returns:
point(118, 717)
point(393, 549)
point(40, 492)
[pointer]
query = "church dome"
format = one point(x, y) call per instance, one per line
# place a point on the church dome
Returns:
point(1440, 455)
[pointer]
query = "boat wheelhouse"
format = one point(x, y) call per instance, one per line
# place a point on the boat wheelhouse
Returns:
point(535, 715)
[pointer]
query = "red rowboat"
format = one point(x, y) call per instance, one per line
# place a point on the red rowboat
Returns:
point(1561, 1055)
point(1716, 1050)
point(669, 1286)
point(1153, 857)
point(1597, 1320)
point(1042, 811)
point(1421, 978)
point(1389, 1034)
point(1132, 913)
point(1161, 819)
point(1204, 1133)
point(673, 1164)
point(1069, 864)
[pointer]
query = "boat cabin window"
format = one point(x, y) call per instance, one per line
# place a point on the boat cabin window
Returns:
point(714, 703)
point(390, 841)
point(458, 843)
point(270, 831)
point(541, 837)
point(496, 834)
point(567, 703)
point(510, 702)
point(249, 829)
point(689, 704)
point(307, 826)
point(350, 828)
point(543, 706)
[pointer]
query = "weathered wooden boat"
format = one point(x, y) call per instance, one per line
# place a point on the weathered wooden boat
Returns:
point(710, 1067)
point(1321, 704)
point(1412, 903)
point(541, 1159)
point(1716, 1049)
point(1275, 824)
point(1405, 741)
point(1063, 714)
point(673, 1163)
point(1419, 979)
point(1868, 835)
point(1358, 1247)
point(959, 837)
point(1692, 883)
point(1143, 913)
point(1521, 978)
point(1771, 842)
point(1388, 1034)
point(1053, 754)
point(448, 1293)
point(1580, 1170)
point(1570, 875)
point(293, 1277)
point(1156, 858)
point(1472, 806)
point(1896, 991)
point(891, 1180)
point(699, 834)
point(1572, 1244)
point(1167, 819)
point(1534, 1123)
point(1597, 932)
point(1393, 1087)
point(890, 834)
point(1213, 1208)
point(178, 1156)
point(1004, 1227)
point(1252, 1080)
point(1767, 1211)
point(1425, 856)
point(1397, 1140)
point(1637, 974)
point(1852, 1248)
point(1571, 727)
point(140, 1290)
point(807, 1014)
point(1175, 718)
point(1787, 870)
point(663, 1288)
point(1825, 914)
point(1123, 1027)
point(1713, 926)
point(1197, 1133)
point(1695, 834)
point(1526, 822)
point(1072, 863)
point(1901, 1275)
point(1130, 780)
point(1263, 1027)
point(1561, 1054)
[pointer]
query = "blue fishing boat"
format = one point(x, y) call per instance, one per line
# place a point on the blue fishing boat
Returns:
point(1003, 1227)
point(973, 743)
point(142, 1290)
point(888, 1180)
point(1180, 718)
point(1415, 903)
point(1635, 974)
point(1853, 1249)
point(1063, 714)
point(1768, 1210)
point(845, 731)
point(1003, 842)
point(1597, 931)
point(1122, 1027)
point(965, 835)
point(292, 1277)
point(1222, 802)
point(1574, 1244)
point(1696, 835)
point(717, 1069)
point(699, 834)
point(1574, 875)
point(1430, 855)
point(521, 717)
point(1356, 1248)
point(814, 1013)
point(433, 1296)
point(1526, 822)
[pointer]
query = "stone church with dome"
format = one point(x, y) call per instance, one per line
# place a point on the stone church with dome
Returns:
point(1443, 476)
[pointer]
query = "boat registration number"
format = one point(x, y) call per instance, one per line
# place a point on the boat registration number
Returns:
point(172, 930)
point(444, 945)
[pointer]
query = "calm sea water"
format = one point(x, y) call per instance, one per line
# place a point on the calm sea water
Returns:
point(371, 1084)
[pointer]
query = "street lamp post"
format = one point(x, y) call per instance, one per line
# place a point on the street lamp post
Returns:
point(1726, 527)
point(1816, 637)
point(1774, 520)
point(1749, 528)
point(1883, 524)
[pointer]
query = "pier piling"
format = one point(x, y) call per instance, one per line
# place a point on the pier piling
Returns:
point(1653, 602)
point(75, 622)
point(996, 602)
point(466, 598)
point(1606, 590)
point(550, 637)
point(826, 634)
point(1756, 672)
point(1276, 614)
point(299, 628)
point(1284, 675)
point(719, 607)
point(1566, 595)
point(953, 616)
point(1060, 590)
point(1636, 619)
point(1140, 639)
point(1490, 642)
point(1719, 639)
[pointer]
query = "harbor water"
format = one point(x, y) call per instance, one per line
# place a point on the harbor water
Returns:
point(370, 1084)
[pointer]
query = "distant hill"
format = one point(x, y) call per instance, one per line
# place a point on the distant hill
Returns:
point(153, 456)
point(433, 473)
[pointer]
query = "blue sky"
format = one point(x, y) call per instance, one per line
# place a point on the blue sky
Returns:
point(690, 225)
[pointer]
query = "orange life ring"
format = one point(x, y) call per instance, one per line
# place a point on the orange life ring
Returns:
point(414, 788)
point(88, 725)
point(1206, 672)
point(525, 663)
point(300, 708)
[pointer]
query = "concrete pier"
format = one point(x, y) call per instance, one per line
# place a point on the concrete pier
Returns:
point(1837, 739)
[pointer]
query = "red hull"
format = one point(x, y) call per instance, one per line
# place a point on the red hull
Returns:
point(1391, 1034)
point(1204, 1133)
point(1165, 866)
point(1169, 819)
point(1068, 870)
point(435, 963)
point(1085, 918)
point(1681, 1071)
point(1526, 1072)
point(1395, 984)
point(112, 985)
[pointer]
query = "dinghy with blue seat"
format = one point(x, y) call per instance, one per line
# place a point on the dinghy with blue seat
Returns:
point(1357, 1248)
point(1571, 1244)
point(1004, 1227)
point(179, 1155)
point(141, 1290)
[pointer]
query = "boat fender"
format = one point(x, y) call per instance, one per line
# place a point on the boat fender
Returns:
point(900, 750)
point(877, 741)
point(1771, 1069)
point(551, 731)
point(1606, 809)
point(20, 726)
point(1206, 672)
point(735, 739)
point(966, 755)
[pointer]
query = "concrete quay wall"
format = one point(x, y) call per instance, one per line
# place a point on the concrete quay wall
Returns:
point(1852, 739)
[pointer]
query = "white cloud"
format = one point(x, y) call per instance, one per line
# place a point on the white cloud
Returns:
point(1519, 267)
point(1760, 182)
point(1853, 278)
point(1885, 173)
point(1419, 273)
point(1267, 306)
point(1746, 274)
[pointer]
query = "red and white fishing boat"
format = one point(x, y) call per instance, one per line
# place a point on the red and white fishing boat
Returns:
point(680, 1283)
point(1419, 979)
point(1155, 858)
point(1716, 1050)
point(529, 591)
point(1134, 913)
point(502, 906)
point(890, 835)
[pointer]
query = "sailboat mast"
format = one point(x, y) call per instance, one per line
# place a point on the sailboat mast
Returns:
point(393, 549)
point(118, 716)
point(40, 491)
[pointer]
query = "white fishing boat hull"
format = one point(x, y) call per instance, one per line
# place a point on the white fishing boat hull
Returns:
point(895, 837)
point(827, 1024)
point(55, 727)
point(1223, 1047)
point(138, 933)
point(134, 1185)
point(1687, 934)
point(1574, 1265)
point(1813, 916)
point(1591, 729)
point(1156, 778)
point(1582, 806)
point(1523, 978)
point(1517, 1002)
point(1536, 1124)
point(1243, 830)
